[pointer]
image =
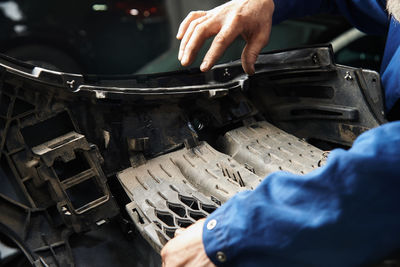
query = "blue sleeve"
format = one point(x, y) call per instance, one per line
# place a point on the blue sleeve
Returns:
point(343, 214)
point(369, 16)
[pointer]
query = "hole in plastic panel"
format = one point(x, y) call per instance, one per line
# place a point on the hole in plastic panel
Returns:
point(84, 193)
point(196, 215)
point(190, 202)
point(177, 209)
point(47, 130)
point(208, 208)
point(165, 217)
point(71, 168)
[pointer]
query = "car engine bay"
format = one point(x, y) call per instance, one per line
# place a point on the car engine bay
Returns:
point(161, 151)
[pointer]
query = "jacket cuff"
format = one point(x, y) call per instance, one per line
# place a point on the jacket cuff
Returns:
point(215, 238)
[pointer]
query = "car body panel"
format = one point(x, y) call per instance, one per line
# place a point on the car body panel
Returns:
point(155, 152)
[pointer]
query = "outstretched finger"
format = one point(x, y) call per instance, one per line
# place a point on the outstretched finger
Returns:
point(188, 35)
point(220, 43)
point(251, 51)
point(186, 22)
point(200, 34)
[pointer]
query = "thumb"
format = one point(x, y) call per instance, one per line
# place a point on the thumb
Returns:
point(250, 53)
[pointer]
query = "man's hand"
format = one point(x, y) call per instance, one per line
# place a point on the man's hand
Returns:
point(186, 249)
point(250, 18)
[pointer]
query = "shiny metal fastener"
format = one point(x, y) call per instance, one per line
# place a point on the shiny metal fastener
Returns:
point(221, 257)
point(227, 73)
point(348, 76)
point(211, 224)
point(71, 84)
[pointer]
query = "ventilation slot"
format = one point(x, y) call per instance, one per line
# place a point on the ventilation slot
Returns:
point(305, 91)
point(170, 232)
point(165, 217)
point(300, 75)
point(190, 202)
point(84, 193)
point(65, 170)
point(320, 112)
point(177, 209)
point(196, 215)
point(184, 223)
point(47, 130)
point(208, 208)
point(21, 107)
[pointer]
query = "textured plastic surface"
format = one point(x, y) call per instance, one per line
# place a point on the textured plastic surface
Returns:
point(178, 188)
point(264, 148)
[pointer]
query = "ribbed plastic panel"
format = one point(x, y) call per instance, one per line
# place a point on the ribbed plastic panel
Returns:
point(176, 189)
point(264, 148)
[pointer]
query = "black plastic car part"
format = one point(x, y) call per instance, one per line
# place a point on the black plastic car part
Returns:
point(161, 151)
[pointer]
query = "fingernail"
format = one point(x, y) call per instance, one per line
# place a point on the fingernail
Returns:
point(252, 71)
point(184, 60)
point(203, 66)
point(178, 34)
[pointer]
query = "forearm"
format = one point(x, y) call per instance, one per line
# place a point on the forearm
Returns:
point(369, 16)
point(343, 214)
point(290, 9)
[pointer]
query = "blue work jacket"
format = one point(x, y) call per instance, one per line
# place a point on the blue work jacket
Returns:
point(346, 213)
